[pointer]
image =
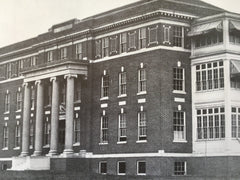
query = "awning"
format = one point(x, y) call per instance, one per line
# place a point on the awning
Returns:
point(235, 68)
point(205, 28)
point(234, 25)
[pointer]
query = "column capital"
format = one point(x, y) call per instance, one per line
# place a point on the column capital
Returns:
point(25, 84)
point(70, 76)
point(53, 79)
point(38, 81)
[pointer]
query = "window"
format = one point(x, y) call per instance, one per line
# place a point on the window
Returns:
point(141, 168)
point(32, 97)
point(180, 168)
point(31, 134)
point(178, 36)
point(209, 39)
point(7, 102)
point(9, 71)
point(235, 122)
point(105, 86)
point(63, 94)
point(142, 80)
point(121, 167)
point(104, 129)
point(5, 137)
point(211, 123)
point(103, 167)
point(79, 53)
point(105, 46)
point(166, 34)
point(46, 135)
point(123, 42)
point(49, 56)
point(122, 132)
point(122, 83)
point(153, 35)
point(210, 76)
point(142, 38)
point(19, 100)
point(77, 90)
point(63, 53)
point(142, 126)
point(98, 48)
point(14, 69)
point(234, 37)
point(48, 91)
point(113, 45)
point(132, 40)
point(178, 79)
point(179, 126)
point(17, 135)
point(77, 129)
point(33, 60)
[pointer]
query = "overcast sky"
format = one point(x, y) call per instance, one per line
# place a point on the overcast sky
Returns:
point(23, 19)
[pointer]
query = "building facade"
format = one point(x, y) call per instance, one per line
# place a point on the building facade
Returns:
point(150, 88)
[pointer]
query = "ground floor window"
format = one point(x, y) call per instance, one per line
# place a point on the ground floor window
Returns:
point(103, 167)
point(121, 168)
point(77, 129)
point(235, 122)
point(46, 135)
point(180, 168)
point(141, 167)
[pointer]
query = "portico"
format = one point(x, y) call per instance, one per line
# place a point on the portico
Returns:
point(66, 73)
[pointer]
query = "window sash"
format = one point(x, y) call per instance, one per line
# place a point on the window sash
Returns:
point(142, 126)
point(179, 125)
point(50, 56)
point(178, 79)
point(105, 47)
point(123, 42)
point(17, 136)
point(5, 137)
point(98, 48)
point(141, 167)
point(79, 52)
point(103, 167)
point(180, 168)
point(63, 53)
point(132, 39)
point(105, 86)
point(121, 167)
point(19, 100)
point(76, 131)
point(7, 102)
point(113, 45)
point(46, 135)
point(122, 83)
point(178, 36)
point(142, 38)
point(122, 132)
point(104, 129)
point(142, 80)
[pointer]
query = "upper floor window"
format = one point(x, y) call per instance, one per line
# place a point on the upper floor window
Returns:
point(211, 123)
point(142, 81)
point(79, 51)
point(122, 131)
point(142, 126)
point(76, 129)
point(153, 35)
point(48, 95)
point(166, 34)
point(5, 137)
point(105, 46)
point(142, 38)
point(105, 86)
point(178, 79)
point(210, 76)
point(104, 129)
point(9, 71)
point(19, 99)
point(179, 127)
point(208, 39)
point(180, 168)
point(63, 53)
point(98, 48)
point(122, 83)
point(123, 42)
point(33, 60)
point(14, 69)
point(7, 102)
point(113, 45)
point(77, 90)
point(178, 36)
point(49, 56)
point(17, 135)
point(132, 40)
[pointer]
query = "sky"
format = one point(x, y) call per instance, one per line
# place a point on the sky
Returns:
point(24, 19)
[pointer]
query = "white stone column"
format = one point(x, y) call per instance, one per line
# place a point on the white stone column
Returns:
point(54, 117)
point(39, 119)
point(69, 114)
point(26, 119)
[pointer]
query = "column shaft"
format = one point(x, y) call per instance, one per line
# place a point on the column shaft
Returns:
point(26, 119)
point(69, 115)
point(39, 119)
point(54, 117)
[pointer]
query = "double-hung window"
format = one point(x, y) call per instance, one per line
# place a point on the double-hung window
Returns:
point(122, 83)
point(76, 129)
point(97, 48)
point(17, 135)
point(123, 42)
point(142, 38)
point(142, 81)
point(63, 53)
point(179, 127)
point(105, 47)
point(49, 56)
point(178, 79)
point(178, 36)
point(103, 167)
point(9, 71)
point(113, 45)
point(180, 168)
point(79, 51)
point(142, 126)
point(132, 40)
point(104, 129)
point(122, 132)
point(7, 102)
point(19, 100)
point(46, 135)
point(5, 137)
point(105, 86)
point(121, 167)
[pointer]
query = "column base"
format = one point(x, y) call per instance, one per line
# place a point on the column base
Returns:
point(24, 154)
point(37, 153)
point(52, 153)
point(68, 153)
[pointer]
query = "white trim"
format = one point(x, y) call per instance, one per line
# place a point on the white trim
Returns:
point(141, 51)
point(105, 105)
point(122, 142)
point(179, 92)
point(5, 159)
point(141, 141)
point(179, 99)
point(142, 93)
point(143, 25)
point(12, 79)
point(18, 58)
point(122, 103)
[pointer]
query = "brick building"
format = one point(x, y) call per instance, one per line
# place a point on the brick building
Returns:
point(150, 88)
